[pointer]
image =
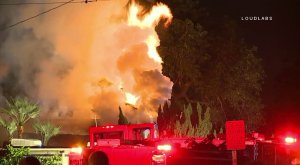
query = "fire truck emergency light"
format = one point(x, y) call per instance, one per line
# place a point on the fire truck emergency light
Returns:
point(160, 159)
point(290, 140)
point(165, 147)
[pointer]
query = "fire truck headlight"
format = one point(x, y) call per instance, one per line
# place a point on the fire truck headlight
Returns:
point(77, 150)
point(159, 158)
point(290, 140)
point(165, 147)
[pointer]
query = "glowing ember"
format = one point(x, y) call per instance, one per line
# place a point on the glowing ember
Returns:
point(131, 99)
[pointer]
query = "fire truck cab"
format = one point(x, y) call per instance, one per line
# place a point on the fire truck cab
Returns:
point(121, 144)
point(122, 134)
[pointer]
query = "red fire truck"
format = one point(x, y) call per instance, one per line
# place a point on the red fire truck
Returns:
point(133, 144)
point(139, 144)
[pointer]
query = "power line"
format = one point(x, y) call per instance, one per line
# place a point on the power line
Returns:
point(43, 3)
point(44, 12)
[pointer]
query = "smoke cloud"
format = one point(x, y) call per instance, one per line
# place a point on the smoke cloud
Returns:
point(78, 61)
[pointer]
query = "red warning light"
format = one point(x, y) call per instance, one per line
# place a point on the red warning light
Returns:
point(165, 147)
point(290, 140)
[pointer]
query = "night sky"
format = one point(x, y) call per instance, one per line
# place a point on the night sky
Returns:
point(278, 43)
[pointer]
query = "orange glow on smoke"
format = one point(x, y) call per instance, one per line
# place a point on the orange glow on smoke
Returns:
point(105, 59)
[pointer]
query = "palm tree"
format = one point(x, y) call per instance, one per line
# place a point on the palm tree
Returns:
point(10, 127)
point(47, 131)
point(21, 110)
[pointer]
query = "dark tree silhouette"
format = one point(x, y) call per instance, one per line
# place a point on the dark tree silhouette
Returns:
point(122, 119)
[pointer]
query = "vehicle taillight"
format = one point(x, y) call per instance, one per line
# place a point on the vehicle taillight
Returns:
point(158, 159)
point(165, 147)
point(77, 150)
point(290, 140)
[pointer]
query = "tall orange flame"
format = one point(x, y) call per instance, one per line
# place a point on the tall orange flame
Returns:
point(150, 20)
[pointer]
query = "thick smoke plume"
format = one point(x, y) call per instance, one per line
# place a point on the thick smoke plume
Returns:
point(79, 61)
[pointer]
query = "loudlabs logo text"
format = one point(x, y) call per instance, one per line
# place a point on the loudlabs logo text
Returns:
point(255, 18)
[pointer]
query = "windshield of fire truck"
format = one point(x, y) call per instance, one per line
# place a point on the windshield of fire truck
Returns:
point(141, 133)
point(109, 135)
